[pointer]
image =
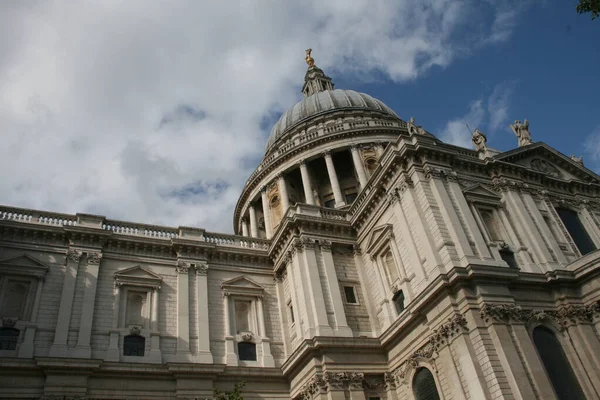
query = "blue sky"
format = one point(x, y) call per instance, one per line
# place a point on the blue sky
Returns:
point(158, 112)
point(549, 69)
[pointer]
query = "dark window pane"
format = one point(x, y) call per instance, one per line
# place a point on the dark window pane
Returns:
point(247, 351)
point(350, 295)
point(557, 365)
point(292, 316)
point(424, 385)
point(134, 346)
point(329, 203)
point(9, 338)
point(350, 197)
point(399, 301)
point(576, 229)
point(509, 257)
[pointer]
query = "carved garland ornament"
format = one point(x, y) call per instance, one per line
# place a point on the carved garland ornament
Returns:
point(94, 258)
point(73, 255)
point(338, 380)
point(564, 316)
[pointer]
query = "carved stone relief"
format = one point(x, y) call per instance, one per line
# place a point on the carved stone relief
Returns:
point(541, 165)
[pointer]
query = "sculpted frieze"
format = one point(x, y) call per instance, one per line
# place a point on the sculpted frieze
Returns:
point(455, 326)
point(564, 316)
point(541, 165)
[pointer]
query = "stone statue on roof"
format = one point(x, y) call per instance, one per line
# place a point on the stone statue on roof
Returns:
point(521, 129)
point(479, 140)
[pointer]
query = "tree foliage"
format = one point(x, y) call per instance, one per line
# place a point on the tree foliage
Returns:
point(236, 394)
point(589, 6)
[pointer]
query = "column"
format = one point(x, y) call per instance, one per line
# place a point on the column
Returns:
point(253, 222)
point(112, 353)
point(283, 193)
point(83, 348)
point(155, 309)
point(183, 312)
point(308, 190)
point(244, 228)
point(335, 184)
point(266, 213)
point(267, 358)
point(359, 167)
point(342, 328)
point(231, 357)
point(27, 348)
point(204, 355)
point(59, 348)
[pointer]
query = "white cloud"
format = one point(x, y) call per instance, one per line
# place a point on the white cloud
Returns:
point(488, 119)
point(151, 111)
point(458, 131)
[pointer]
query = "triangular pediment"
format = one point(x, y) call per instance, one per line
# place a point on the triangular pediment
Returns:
point(378, 235)
point(482, 193)
point(544, 159)
point(138, 276)
point(242, 286)
point(24, 265)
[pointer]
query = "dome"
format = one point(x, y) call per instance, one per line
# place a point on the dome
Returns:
point(323, 102)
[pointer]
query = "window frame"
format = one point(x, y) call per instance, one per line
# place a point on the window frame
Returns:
point(354, 293)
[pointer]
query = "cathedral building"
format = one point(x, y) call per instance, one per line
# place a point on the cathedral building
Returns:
point(370, 260)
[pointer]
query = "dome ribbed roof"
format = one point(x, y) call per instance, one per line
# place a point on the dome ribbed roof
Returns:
point(323, 102)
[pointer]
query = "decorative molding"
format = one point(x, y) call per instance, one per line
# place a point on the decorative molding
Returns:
point(564, 316)
point(247, 336)
point(137, 276)
point(9, 322)
point(424, 353)
point(442, 335)
point(325, 245)
point(94, 258)
point(182, 267)
point(541, 165)
point(201, 269)
point(73, 255)
point(135, 330)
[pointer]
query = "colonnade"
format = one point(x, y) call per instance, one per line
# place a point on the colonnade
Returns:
point(250, 221)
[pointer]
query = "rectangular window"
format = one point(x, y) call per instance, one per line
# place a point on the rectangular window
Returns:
point(390, 267)
point(247, 351)
point(576, 229)
point(350, 295)
point(329, 203)
point(398, 300)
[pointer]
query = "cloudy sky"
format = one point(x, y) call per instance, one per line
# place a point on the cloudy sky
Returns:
point(157, 111)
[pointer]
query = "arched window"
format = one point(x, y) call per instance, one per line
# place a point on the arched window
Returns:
point(424, 385)
point(9, 338)
point(557, 365)
point(134, 345)
point(14, 301)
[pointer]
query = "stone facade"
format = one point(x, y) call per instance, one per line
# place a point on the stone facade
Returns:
point(371, 261)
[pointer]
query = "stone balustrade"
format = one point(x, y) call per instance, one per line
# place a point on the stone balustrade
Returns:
point(28, 216)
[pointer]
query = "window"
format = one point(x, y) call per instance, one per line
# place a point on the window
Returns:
point(350, 295)
point(350, 197)
point(134, 345)
point(15, 299)
point(247, 351)
point(242, 315)
point(509, 257)
point(576, 229)
point(398, 300)
point(329, 201)
point(9, 338)
point(557, 365)
point(390, 267)
point(424, 385)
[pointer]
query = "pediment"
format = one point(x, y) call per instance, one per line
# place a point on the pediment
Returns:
point(480, 192)
point(138, 276)
point(24, 265)
point(542, 158)
point(242, 286)
point(379, 235)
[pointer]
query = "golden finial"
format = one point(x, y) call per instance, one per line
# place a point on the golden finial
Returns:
point(309, 60)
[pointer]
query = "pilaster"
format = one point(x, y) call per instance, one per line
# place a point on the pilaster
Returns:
point(83, 348)
point(204, 355)
point(59, 347)
point(341, 328)
point(183, 312)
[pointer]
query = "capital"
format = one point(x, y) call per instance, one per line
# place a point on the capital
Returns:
point(73, 255)
point(94, 258)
